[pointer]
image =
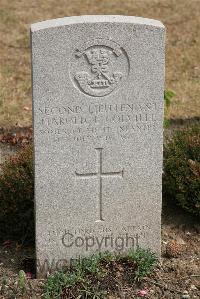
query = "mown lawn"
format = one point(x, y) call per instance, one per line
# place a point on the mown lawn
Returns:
point(181, 17)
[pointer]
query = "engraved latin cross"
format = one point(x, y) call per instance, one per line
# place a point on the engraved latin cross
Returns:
point(100, 175)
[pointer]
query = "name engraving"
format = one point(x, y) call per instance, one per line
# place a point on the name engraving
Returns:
point(105, 122)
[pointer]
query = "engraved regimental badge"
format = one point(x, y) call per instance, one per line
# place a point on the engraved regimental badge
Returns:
point(99, 67)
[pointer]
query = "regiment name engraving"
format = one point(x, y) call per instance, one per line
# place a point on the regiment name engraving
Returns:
point(100, 121)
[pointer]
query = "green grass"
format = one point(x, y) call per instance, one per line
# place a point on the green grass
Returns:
point(98, 275)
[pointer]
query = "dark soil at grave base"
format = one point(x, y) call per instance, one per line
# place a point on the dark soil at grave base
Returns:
point(168, 280)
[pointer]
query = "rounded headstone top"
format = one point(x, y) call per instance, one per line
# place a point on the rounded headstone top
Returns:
point(95, 19)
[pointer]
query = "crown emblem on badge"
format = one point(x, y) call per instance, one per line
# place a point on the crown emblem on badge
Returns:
point(97, 71)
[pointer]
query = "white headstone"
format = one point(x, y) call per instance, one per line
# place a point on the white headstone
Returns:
point(98, 123)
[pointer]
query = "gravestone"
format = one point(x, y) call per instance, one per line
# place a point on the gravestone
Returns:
point(98, 123)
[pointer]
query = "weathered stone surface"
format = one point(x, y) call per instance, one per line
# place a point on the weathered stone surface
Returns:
point(98, 117)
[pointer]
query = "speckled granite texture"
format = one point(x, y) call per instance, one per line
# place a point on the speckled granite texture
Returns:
point(98, 124)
